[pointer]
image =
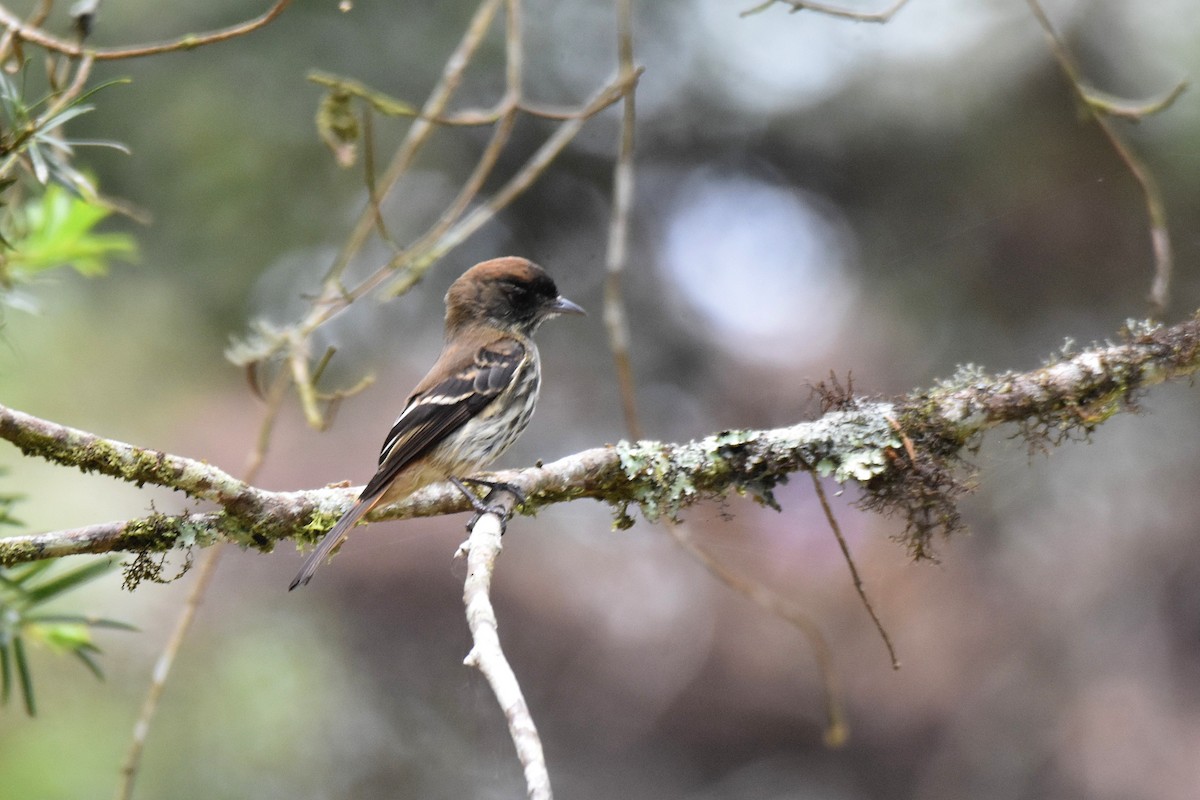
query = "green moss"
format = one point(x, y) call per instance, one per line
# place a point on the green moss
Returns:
point(12, 553)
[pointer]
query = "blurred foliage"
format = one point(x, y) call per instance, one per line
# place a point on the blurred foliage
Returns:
point(24, 591)
point(7, 501)
point(50, 222)
point(56, 230)
point(36, 141)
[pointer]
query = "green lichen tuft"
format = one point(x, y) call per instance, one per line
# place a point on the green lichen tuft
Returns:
point(851, 444)
point(660, 477)
point(319, 523)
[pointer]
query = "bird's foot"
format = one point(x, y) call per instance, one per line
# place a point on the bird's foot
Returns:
point(486, 505)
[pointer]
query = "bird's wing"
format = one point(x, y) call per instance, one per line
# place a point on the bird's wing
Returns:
point(469, 381)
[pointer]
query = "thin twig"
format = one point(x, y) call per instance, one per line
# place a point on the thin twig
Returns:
point(35, 19)
point(415, 264)
point(162, 669)
point(618, 231)
point(373, 197)
point(836, 728)
point(35, 35)
point(205, 573)
point(453, 212)
point(466, 118)
point(1160, 240)
point(858, 584)
point(831, 10)
point(506, 119)
point(1130, 110)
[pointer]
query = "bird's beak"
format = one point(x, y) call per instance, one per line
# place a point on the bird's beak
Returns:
point(562, 305)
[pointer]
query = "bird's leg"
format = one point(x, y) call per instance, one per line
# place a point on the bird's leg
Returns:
point(485, 506)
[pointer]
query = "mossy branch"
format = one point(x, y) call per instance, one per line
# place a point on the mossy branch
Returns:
point(906, 455)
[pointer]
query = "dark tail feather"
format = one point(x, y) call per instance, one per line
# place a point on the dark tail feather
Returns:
point(332, 539)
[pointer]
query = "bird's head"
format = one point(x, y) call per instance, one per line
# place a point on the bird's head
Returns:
point(510, 293)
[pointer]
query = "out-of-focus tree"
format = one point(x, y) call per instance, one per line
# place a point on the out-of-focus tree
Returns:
point(805, 195)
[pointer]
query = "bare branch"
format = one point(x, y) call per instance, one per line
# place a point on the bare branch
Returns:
point(416, 260)
point(859, 442)
point(334, 297)
point(1131, 110)
point(30, 33)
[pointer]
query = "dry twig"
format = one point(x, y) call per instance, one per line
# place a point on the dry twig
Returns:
point(1101, 108)
point(615, 320)
point(19, 29)
point(831, 10)
point(191, 606)
point(836, 728)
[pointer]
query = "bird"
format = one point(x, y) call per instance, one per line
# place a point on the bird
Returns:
point(475, 400)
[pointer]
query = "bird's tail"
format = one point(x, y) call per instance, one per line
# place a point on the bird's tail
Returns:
point(332, 539)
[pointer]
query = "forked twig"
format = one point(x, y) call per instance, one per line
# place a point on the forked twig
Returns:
point(413, 264)
point(334, 297)
point(1101, 109)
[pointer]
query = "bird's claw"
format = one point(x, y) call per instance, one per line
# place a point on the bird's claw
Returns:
point(499, 486)
point(482, 506)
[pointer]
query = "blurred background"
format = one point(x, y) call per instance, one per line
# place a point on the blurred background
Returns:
point(813, 195)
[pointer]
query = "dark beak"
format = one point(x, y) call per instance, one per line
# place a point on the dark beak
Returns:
point(562, 305)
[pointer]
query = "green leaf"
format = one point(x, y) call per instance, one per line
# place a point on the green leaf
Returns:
point(85, 655)
point(24, 588)
point(67, 581)
point(58, 231)
point(5, 673)
point(80, 619)
point(17, 576)
point(24, 674)
point(62, 637)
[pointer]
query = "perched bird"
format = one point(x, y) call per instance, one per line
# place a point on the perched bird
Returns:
point(477, 398)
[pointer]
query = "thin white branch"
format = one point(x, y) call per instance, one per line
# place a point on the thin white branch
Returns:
point(481, 550)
